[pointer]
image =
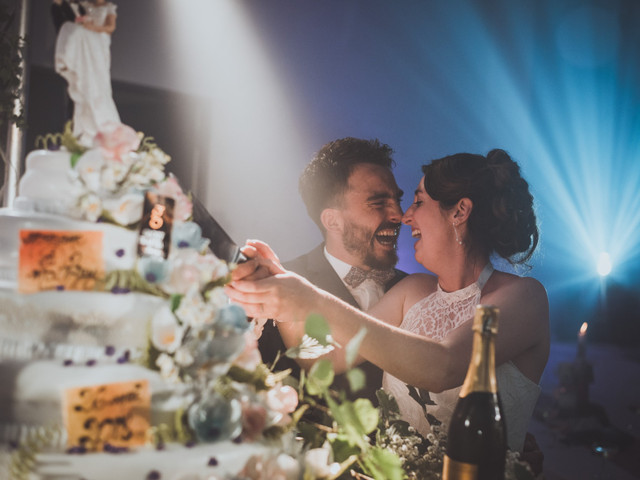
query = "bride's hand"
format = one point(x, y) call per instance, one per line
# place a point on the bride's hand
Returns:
point(261, 262)
point(286, 297)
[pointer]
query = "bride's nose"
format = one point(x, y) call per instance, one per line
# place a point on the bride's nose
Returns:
point(407, 218)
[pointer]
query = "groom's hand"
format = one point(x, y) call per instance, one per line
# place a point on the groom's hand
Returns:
point(260, 263)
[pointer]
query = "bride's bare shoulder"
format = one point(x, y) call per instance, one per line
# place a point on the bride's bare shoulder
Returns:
point(508, 283)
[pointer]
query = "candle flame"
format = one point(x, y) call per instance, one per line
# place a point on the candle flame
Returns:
point(583, 328)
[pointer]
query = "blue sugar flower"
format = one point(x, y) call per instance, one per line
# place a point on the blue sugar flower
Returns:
point(214, 347)
point(188, 235)
point(214, 418)
point(232, 317)
point(153, 270)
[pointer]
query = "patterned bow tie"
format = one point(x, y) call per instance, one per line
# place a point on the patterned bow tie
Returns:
point(357, 275)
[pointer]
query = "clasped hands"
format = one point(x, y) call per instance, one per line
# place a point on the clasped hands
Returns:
point(265, 289)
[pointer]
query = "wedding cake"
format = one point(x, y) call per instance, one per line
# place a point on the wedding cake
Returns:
point(115, 333)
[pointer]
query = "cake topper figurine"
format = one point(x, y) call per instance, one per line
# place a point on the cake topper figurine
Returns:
point(83, 59)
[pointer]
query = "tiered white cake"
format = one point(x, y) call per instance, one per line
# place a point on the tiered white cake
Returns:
point(147, 314)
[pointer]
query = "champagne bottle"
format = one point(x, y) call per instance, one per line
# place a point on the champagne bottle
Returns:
point(477, 441)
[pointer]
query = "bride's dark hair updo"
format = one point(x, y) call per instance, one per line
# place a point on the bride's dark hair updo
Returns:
point(502, 219)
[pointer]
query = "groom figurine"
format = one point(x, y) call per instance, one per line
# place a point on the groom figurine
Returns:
point(351, 194)
point(65, 11)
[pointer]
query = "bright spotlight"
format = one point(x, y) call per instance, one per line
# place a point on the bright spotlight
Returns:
point(604, 264)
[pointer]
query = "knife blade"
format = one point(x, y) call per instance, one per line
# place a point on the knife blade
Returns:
point(221, 243)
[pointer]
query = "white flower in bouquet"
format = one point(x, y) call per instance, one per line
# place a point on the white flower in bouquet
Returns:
point(189, 267)
point(144, 176)
point(166, 333)
point(193, 310)
point(184, 271)
point(125, 210)
point(90, 206)
point(89, 169)
point(168, 368)
point(278, 466)
point(250, 357)
point(217, 297)
point(318, 463)
point(114, 176)
point(148, 169)
point(183, 357)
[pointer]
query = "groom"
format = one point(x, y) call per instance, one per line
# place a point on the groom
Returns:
point(351, 194)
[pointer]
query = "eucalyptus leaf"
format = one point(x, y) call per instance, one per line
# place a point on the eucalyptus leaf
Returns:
point(355, 420)
point(318, 328)
point(383, 464)
point(75, 156)
point(342, 449)
point(175, 300)
point(387, 402)
point(320, 377)
point(352, 348)
point(357, 379)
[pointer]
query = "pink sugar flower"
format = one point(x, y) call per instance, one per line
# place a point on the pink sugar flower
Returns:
point(116, 140)
point(254, 419)
point(170, 187)
point(283, 399)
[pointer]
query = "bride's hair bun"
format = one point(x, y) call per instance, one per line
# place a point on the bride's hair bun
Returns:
point(503, 219)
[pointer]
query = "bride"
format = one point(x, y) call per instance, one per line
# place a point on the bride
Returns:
point(83, 58)
point(466, 208)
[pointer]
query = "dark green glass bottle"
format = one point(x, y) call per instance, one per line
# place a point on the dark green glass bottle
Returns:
point(477, 440)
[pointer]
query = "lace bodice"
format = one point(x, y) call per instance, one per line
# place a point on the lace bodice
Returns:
point(435, 316)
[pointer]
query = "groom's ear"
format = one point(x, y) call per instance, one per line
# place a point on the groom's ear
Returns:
point(462, 210)
point(332, 220)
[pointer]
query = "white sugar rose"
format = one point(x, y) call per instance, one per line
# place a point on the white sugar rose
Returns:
point(193, 310)
point(125, 210)
point(166, 333)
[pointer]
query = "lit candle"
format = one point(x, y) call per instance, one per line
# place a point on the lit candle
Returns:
point(582, 340)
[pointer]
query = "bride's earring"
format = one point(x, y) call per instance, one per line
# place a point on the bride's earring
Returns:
point(458, 241)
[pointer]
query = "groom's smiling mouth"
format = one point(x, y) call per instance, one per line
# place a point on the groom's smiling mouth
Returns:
point(387, 236)
point(415, 233)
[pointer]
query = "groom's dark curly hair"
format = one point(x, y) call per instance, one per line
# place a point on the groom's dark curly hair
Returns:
point(325, 178)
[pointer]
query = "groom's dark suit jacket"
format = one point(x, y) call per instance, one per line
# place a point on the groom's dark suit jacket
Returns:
point(315, 268)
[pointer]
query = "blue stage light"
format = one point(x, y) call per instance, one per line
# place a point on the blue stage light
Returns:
point(604, 264)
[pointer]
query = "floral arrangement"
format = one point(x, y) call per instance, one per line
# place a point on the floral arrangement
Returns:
point(198, 341)
point(352, 439)
point(110, 178)
point(208, 349)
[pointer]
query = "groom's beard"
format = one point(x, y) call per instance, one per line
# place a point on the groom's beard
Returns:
point(361, 241)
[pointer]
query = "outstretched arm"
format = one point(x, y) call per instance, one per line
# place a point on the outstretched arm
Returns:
point(416, 360)
point(291, 298)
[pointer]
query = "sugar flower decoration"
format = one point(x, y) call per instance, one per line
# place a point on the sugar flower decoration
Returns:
point(116, 141)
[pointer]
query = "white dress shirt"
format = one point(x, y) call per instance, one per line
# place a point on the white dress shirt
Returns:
point(367, 294)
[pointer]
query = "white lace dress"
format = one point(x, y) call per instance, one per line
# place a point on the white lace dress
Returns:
point(83, 58)
point(435, 316)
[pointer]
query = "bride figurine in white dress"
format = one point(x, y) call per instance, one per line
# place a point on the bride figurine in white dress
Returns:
point(83, 58)
point(466, 208)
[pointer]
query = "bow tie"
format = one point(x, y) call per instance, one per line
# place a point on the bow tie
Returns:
point(357, 275)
